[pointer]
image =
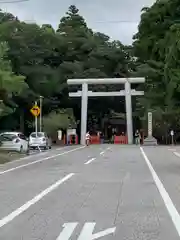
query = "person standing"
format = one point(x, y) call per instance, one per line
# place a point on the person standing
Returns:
point(87, 138)
point(101, 137)
point(137, 137)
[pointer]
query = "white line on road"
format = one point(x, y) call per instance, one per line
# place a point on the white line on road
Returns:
point(171, 149)
point(177, 154)
point(101, 153)
point(36, 199)
point(164, 194)
point(24, 158)
point(39, 154)
point(91, 160)
point(39, 160)
point(61, 148)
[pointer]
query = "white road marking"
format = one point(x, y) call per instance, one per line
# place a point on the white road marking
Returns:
point(177, 154)
point(34, 154)
point(60, 148)
point(164, 194)
point(86, 233)
point(39, 160)
point(36, 199)
point(89, 161)
point(171, 149)
point(101, 153)
point(24, 158)
point(68, 229)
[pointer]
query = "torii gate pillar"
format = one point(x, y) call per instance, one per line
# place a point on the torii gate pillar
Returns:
point(129, 122)
point(128, 92)
point(84, 107)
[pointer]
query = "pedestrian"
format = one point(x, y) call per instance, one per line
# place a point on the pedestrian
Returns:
point(87, 138)
point(137, 137)
point(101, 137)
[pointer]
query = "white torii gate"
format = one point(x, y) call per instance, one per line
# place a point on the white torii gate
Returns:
point(84, 94)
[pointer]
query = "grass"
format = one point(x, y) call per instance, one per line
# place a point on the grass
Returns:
point(8, 156)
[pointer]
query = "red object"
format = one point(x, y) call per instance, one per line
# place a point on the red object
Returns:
point(70, 140)
point(120, 140)
point(76, 139)
point(95, 140)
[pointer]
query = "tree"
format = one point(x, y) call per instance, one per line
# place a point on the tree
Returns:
point(160, 64)
point(47, 58)
point(10, 84)
point(60, 120)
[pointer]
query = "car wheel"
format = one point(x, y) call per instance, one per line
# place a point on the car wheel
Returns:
point(21, 149)
point(46, 148)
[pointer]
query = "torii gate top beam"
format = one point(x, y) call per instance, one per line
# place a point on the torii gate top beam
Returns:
point(106, 94)
point(105, 81)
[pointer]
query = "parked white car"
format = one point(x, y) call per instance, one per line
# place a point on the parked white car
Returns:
point(14, 141)
point(39, 140)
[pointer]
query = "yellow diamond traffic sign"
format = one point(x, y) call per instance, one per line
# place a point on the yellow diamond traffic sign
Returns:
point(35, 110)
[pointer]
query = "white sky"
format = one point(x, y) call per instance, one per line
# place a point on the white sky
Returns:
point(117, 18)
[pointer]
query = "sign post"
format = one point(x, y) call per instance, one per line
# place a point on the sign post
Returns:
point(150, 140)
point(150, 124)
point(35, 110)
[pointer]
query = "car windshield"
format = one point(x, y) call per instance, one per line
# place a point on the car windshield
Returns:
point(7, 137)
point(39, 135)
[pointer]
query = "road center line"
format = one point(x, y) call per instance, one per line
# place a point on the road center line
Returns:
point(36, 199)
point(164, 194)
point(40, 160)
point(89, 161)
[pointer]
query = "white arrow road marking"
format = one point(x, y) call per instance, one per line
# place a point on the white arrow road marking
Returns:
point(87, 232)
point(67, 231)
point(91, 160)
point(36, 199)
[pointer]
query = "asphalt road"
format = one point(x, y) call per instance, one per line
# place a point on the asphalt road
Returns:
point(97, 192)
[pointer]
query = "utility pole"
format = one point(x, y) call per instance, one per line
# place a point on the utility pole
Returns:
point(36, 122)
point(40, 100)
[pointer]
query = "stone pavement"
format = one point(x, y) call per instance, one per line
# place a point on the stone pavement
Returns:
point(97, 192)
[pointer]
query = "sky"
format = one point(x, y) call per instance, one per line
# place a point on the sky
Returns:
point(117, 18)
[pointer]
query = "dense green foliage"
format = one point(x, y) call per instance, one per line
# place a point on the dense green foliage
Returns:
point(157, 48)
point(47, 58)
